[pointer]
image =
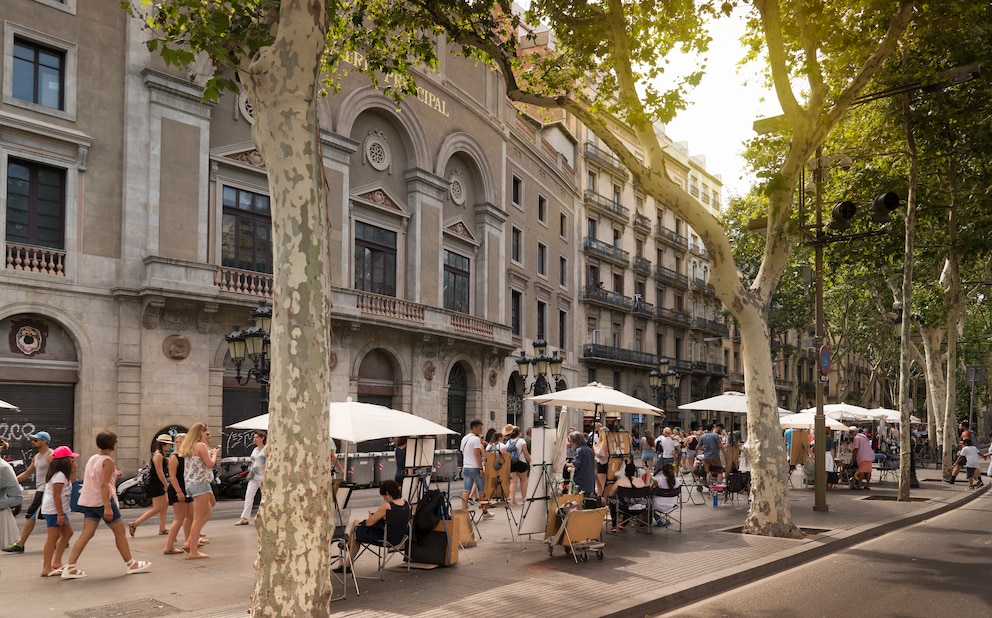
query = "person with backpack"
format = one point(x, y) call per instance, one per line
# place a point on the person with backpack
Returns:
point(516, 446)
point(155, 486)
point(39, 467)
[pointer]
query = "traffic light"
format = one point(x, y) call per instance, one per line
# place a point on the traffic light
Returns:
point(884, 204)
point(842, 215)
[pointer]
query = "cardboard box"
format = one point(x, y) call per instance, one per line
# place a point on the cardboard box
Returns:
point(462, 522)
point(439, 547)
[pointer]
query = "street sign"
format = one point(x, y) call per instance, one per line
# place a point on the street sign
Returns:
point(824, 359)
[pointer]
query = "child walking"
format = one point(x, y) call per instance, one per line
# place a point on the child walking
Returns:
point(55, 508)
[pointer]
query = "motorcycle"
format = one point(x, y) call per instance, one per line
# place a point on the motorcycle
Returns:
point(232, 485)
point(131, 494)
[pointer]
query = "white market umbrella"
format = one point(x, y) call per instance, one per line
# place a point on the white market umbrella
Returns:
point(357, 422)
point(844, 412)
point(8, 406)
point(807, 420)
point(892, 416)
point(597, 398)
point(731, 401)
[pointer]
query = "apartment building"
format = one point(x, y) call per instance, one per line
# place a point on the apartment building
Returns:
point(464, 229)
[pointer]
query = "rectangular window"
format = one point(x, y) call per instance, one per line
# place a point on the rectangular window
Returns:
point(38, 74)
point(542, 259)
point(375, 259)
point(542, 209)
point(35, 204)
point(562, 329)
point(617, 334)
point(516, 299)
point(515, 253)
point(542, 317)
point(591, 181)
point(562, 225)
point(562, 271)
point(618, 283)
point(617, 192)
point(246, 231)
point(616, 380)
point(516, 190)
point(591, 228)
point(457, 270)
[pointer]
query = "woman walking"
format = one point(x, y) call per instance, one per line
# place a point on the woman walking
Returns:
point(55, 508)
point(98, 499)
point(182, 511)
point(257, 472)
point(200, 462)
point(516, 446)
point(155, 489)
point(647, 452)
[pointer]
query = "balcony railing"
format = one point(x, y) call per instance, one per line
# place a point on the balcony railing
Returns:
point(36, 259)
point(597, 294)
point(619, 355)
point(243, 282)
point(610, 252)
point(643, 308)
point(607, 206)
point(668, 275)
point(671, 316)
point(699, 249)
point(606, 160)
point(641, 222)
point(670, 236)
point(711, 326)
point(642, 265)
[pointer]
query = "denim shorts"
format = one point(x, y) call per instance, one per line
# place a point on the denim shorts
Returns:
point(95, 513)
point(473, 476)
point(197, 489)
point(52, 521)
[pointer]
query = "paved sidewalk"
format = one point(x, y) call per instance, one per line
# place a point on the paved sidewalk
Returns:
point(640, 574)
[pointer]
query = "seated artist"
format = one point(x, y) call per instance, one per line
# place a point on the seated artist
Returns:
point(627, 478)
point(370, 530)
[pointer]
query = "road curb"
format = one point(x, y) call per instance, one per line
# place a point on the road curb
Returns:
point(699, 588)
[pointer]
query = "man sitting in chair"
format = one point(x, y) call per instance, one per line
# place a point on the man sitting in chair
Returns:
point(370, 530)
point(712, 446)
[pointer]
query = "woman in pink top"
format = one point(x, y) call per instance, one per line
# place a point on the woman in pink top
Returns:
point(98, 498)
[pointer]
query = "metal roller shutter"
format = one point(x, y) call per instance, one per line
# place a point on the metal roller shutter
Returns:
point(44, 407)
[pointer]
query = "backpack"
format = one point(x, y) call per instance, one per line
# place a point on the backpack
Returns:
point(511, 448)
point(432, 508)
point(144, 475)
point(658, 448)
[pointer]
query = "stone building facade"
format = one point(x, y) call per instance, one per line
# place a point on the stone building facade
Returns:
point(137, 233)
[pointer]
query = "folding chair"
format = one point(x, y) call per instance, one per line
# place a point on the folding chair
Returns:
point(633, 506)
point(396, 520)
point(668, 504)
point(339, 538)
point(694, 486)
point(888, 468)
point(736, 485)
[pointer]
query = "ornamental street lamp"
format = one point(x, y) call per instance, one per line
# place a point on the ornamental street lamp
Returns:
point(665, 383)
point(542, 366)
point(252, 343)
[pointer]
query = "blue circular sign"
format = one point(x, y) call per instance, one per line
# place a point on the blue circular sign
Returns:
point(824, 359)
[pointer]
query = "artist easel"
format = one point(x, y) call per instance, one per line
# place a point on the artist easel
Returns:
point(495, 485)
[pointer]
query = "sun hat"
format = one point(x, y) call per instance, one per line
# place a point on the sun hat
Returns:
point(62, 452)
point(164, 437)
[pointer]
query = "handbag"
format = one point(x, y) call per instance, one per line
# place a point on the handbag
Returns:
point(74, 506)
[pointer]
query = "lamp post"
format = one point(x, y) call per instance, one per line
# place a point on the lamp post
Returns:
point(543, 364)
point(252, 343)
point(665, 383)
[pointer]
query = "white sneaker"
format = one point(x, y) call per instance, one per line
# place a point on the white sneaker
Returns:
point(137, 566)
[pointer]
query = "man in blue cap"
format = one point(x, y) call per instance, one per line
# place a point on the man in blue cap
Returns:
point(39, 466)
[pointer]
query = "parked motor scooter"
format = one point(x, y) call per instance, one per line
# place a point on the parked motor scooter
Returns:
point(232, 485)
point(130, 494)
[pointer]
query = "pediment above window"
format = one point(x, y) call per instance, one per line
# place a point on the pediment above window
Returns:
point(379, 197)
point(241, 155)
point(459, 231)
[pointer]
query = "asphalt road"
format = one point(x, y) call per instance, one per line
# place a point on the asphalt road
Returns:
point(940, 567)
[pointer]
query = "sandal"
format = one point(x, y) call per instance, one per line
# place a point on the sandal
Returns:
point(241, 522)
point(137, 566)
point(163, 532)
point(174, 550)
point(71, 572)
point(132, 527)
point(53, 573)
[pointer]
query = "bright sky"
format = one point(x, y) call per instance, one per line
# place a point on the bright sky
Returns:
point(722, 109)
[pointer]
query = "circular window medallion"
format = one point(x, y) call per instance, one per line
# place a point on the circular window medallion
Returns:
point(456, 189)
point(244, 106)
point(377, 151)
